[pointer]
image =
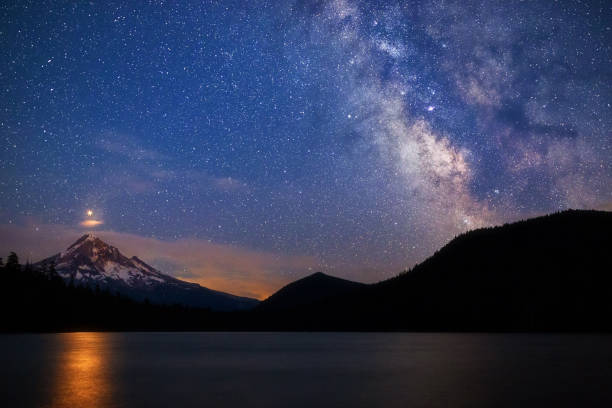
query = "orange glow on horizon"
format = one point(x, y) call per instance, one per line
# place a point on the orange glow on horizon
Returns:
point(259, 290)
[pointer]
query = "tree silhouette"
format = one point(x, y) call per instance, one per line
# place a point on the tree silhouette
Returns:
point(12, 263)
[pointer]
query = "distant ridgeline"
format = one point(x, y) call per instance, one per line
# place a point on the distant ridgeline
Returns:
point(551, 273)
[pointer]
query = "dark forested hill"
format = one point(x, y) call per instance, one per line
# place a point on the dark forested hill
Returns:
point(547, 273)
point(306, 291)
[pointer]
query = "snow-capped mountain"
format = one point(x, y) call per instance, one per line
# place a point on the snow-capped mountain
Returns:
point(92, 262)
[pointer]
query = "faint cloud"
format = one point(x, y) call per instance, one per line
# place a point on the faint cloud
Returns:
point(91, 223)
point(137, 184)
point(151, 171)
point(128, 146)
point(202, 181)
point(228, 183)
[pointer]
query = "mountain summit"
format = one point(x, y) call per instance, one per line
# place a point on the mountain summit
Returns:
point(92, 262)
point(314, 288)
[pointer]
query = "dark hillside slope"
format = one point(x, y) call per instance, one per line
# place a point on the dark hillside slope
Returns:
point(549, 273)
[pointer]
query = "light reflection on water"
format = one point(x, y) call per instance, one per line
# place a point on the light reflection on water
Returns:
point(83, 377)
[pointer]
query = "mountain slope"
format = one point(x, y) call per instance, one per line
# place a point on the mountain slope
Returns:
point(547, 273)
point(311, 289)
point(91, 262)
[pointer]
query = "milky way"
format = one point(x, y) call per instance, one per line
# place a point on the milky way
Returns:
point(353, 137)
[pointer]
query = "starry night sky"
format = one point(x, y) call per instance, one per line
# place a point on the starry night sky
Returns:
point(350, 137)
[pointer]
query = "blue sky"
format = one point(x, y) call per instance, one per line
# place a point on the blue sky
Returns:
point(356, 136)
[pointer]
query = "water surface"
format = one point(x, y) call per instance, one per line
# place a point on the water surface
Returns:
point(304, 370)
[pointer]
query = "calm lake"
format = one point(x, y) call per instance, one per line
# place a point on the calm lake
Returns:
point(304, 370)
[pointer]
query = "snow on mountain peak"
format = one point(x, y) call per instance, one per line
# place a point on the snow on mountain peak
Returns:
point(89, 259)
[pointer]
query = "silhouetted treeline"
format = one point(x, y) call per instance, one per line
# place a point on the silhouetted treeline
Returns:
point(40, 300)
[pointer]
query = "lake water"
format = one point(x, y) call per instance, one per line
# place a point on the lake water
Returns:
point(304, 370)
